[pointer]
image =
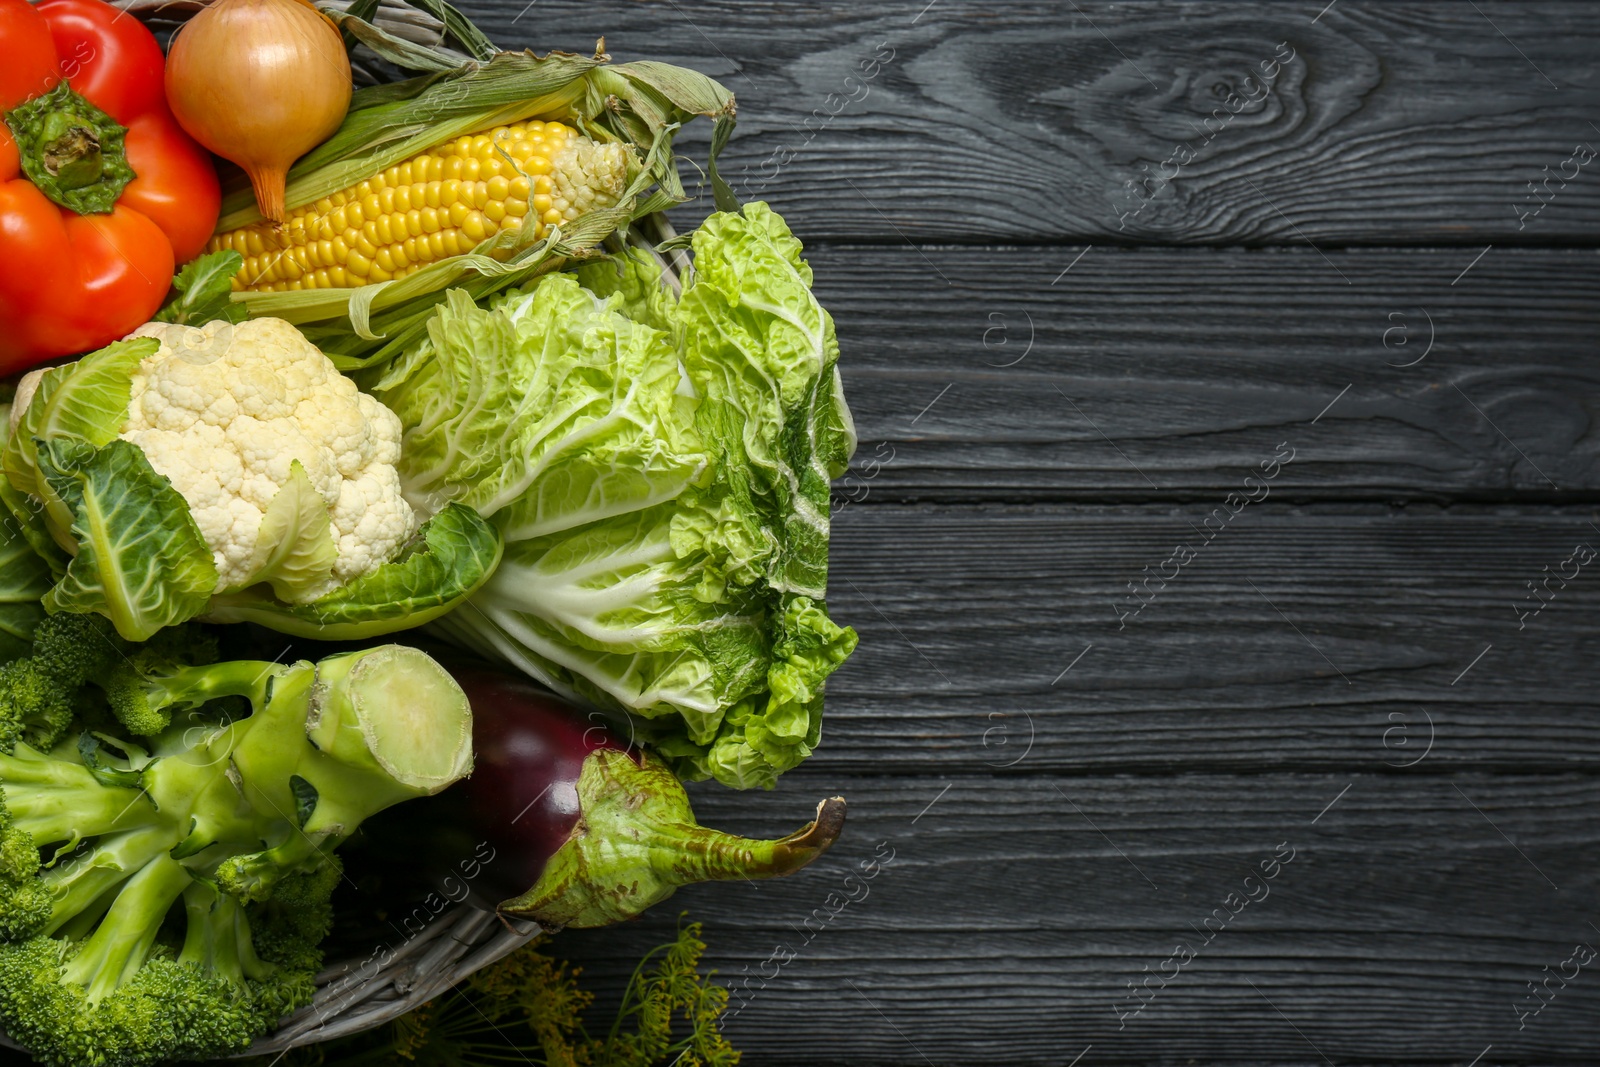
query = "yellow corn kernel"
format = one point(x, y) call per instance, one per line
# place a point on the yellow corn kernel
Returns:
point(437, 204)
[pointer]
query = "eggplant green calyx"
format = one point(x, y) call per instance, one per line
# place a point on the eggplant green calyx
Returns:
point(71, 150)
point(637, 841)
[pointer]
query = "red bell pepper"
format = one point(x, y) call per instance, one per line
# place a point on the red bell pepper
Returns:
point(102, 194)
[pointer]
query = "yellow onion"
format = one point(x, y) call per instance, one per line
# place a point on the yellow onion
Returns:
point(261, 83)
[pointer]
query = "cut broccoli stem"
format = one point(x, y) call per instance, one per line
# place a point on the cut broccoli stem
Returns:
point(121, 943)
point(395, 716)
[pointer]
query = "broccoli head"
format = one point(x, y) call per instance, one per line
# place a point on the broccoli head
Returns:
point(38, 693)
point(176, 909)
point(43, 693)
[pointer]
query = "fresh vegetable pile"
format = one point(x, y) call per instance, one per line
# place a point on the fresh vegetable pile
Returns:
point(421, 404)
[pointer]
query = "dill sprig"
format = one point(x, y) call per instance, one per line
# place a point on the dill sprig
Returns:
point(528, 1009)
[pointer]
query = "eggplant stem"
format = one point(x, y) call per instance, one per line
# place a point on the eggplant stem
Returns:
point(728, 857)
point(636, 841)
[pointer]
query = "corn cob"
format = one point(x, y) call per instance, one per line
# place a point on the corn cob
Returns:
point(437, 204)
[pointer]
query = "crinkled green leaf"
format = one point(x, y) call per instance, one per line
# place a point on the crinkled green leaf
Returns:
point(762, 353)
point(202, 291)
point(761, 741)
point(700, 612)
point(141, 560)
point(451, 557)
point(546, 413)
point(86, 401)
point(24, 580)
point(609, 613)
point(636, 279)
point(24, 517)
point(295, 549)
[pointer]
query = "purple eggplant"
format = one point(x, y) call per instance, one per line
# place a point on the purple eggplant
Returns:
point(584, 829)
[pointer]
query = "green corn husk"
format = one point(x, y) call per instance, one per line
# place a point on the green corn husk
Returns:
point(640, 104)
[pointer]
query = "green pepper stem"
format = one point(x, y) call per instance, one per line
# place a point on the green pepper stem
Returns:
point(71, 150)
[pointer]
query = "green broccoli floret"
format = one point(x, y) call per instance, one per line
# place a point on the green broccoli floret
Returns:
point(76, 649)
point(122, 945)
point(40, 694)
point(161, 677)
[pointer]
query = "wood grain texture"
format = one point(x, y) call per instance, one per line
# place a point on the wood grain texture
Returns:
point(1000, 505)
point(1317, 638)
point(1399, 122)
point(1013, 914)
point(1167, 374)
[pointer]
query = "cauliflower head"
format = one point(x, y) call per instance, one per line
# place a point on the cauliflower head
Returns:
point(237, 416)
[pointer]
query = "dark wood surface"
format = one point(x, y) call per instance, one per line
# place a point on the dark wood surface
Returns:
point(1054, 393)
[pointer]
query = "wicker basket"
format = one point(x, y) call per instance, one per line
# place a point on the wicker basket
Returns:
point(358, 994)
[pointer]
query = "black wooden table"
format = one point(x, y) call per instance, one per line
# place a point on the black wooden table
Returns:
point(1222, 538)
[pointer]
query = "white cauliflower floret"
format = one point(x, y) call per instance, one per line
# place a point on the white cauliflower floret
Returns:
point(224, 410)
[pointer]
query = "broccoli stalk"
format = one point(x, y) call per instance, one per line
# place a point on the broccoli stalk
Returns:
point(222, 831)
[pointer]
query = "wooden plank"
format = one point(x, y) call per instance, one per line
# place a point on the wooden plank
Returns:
point(1141, 374)
point(1325, 637)
point(1014, 913)
point(1401, 122)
